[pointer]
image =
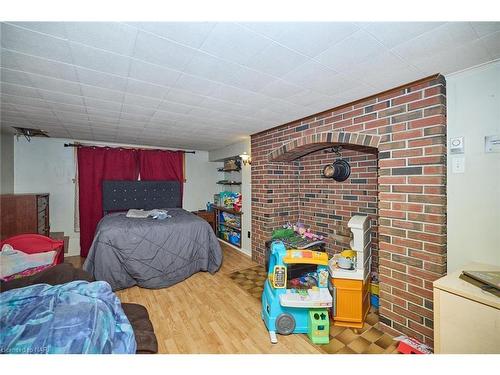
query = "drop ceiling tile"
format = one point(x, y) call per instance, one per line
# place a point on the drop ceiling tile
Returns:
point(67, 107)
point(8, 122)
point(163, 52)
point(168, 117)
point(36, 65)
point(183, 97)
point(134, 117)
point(102, 94)
point(53, 84)
point(21, 100)
point(309, 38)
point(453, 60)
point(103, 121)
point(189, 33)
point(284, 107)
point(131, 125)
point(306, 97)
point(111, 133)
point(485, 28)
point(142, 101)
point(100, 60)
point(33, 43)
point(393, 33)
point(361, 47)
point(11, 89)
point(384, 70)
point(145, 89)
point(153, 73)
point(223, 106)
point(174, 107)
point(266, 114)
point(76, 124)
point(316, 77)
point(437, 40)
point(38, 114)
point(10, 110)
point(15, 77)
point(250, 79)
point(103, 104)
point(358, 92)
point(492, 44)
point(57, 29)
point(276, 60)
point(195, 85)
point(99, 79)
point(237, 95)
point(212, 68)
point(111, 115)
point(8, 59)
point(225, 41)
point(280, 89)
point(71, 116)
point(111, 36)
point(140, 111)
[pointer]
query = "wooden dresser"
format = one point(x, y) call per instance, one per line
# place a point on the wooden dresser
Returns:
point(208, 216)
point(24, 213)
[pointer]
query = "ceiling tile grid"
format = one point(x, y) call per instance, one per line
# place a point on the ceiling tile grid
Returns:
point(162, 83)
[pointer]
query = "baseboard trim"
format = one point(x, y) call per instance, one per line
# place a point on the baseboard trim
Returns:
point(235, 247)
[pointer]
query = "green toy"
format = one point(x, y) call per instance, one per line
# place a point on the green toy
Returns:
point(279, 234)
point(318, 325)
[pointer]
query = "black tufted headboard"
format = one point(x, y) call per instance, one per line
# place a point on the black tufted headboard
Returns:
point(123, 195)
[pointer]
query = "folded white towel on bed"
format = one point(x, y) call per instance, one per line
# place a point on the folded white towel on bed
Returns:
point(139, 214)
point(142, 214)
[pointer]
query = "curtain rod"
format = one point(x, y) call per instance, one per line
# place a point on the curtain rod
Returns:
point(80, 144)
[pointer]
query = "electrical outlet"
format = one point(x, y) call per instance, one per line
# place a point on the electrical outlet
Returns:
point(248, 234)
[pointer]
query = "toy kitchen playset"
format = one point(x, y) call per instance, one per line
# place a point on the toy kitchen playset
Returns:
point(350, 276)
point(303, 287)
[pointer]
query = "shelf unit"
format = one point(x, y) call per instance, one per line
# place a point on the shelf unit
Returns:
point(228, 170)
point(219, 223)
point(222, 182)
point(232, 178)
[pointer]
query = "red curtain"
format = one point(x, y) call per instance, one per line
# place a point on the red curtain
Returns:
point(162, 165)
point(96, 164)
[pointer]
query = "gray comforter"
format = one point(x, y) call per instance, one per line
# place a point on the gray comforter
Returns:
point(152, 253)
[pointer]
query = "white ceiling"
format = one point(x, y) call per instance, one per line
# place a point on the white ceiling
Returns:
point(206, 85)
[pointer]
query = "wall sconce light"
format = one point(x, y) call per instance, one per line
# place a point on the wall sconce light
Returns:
point(245, 158)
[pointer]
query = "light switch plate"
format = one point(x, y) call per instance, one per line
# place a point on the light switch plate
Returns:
point(492, 143)
point(457, 145)
point(458, 164)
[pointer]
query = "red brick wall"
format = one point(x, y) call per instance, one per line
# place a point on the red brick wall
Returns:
point(410, 123)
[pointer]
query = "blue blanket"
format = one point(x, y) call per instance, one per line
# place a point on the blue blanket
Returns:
point(76, 317)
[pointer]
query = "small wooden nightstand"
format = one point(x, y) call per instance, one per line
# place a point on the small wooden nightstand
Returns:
point(208, 216)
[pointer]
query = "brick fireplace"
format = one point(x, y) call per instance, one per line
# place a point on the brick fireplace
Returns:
point(396, 144)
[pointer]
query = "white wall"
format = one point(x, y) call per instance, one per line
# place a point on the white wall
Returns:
point(6, 163)
point(45, 165)
point(473, 110)
point(246, 188)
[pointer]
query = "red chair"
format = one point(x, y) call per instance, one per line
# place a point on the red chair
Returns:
point(36, 243)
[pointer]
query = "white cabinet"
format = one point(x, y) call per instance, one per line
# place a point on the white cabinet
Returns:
point(466, 318)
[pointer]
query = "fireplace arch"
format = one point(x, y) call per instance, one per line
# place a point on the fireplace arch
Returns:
point(311, 143)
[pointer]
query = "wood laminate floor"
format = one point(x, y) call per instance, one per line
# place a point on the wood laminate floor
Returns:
point(210, 314)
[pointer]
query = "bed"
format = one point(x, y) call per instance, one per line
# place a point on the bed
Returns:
point(147, 252)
